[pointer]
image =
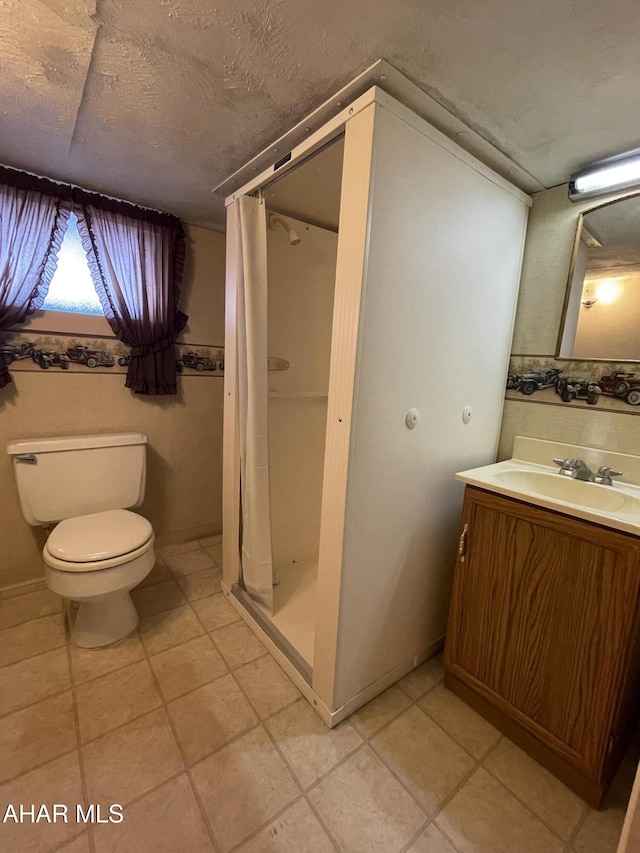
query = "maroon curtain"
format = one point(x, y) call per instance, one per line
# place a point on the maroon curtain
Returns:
point(32, 225)
point(136, 261)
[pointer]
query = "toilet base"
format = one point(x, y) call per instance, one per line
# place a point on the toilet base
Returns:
point(106, 620)
point(100, 609)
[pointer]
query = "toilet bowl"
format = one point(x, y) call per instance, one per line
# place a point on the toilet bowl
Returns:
point(94, 561)
point(99, 550)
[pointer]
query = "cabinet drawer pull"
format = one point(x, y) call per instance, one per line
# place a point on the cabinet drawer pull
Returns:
point(462, 542)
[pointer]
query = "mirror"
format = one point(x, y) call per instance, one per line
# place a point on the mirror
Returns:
point(602, 306)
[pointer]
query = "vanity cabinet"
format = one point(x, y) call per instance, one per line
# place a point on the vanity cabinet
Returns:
point(543, 634)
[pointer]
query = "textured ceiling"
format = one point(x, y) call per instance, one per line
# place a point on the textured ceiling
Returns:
point(158, 100)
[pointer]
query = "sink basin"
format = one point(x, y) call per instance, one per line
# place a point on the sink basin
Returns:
point(552, 485)
point(527, 478)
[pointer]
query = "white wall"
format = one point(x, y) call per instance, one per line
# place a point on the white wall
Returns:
point(301, 282)
point(183, 496)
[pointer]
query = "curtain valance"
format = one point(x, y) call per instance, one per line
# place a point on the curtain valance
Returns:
point(76, 197)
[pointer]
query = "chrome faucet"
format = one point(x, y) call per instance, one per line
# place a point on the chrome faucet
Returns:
point(605, 474)
point(576, 468)
point(579, 470)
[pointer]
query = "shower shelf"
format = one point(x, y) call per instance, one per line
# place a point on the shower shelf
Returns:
point(294, 394)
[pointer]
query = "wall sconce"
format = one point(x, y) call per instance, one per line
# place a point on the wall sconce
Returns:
point(605, 290)
point(618, 173)
point(608, 290)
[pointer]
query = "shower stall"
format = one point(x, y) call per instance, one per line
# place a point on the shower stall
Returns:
point(301, 264)
point(372, 278)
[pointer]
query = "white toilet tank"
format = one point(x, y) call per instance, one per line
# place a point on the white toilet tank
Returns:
point(74, 475)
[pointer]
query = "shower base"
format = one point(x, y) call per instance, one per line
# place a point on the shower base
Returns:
point(294, 605)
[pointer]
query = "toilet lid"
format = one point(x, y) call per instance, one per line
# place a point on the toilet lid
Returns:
point(99, 536)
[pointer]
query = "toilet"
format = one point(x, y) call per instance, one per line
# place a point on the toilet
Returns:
point(98, 550)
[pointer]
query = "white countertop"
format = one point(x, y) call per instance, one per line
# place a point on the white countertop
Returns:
point(527, 478)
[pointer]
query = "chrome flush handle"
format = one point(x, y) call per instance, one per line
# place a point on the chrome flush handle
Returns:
point(28, 458)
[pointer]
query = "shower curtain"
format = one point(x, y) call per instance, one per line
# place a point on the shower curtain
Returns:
point(253, 398)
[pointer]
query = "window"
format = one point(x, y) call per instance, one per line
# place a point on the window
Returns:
point(71, 304)
point(71, 287)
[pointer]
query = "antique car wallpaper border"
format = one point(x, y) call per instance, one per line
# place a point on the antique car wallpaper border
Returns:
point(610, 386)
point(99, 355)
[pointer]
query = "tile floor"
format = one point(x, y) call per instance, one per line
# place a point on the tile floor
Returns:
point(196, 732)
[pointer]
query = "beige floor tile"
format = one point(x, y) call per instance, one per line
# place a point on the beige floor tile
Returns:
point(210, 541)
point(126, 763)
point(36, 734)
point(238, 644)
point(168, 629)
point(56, 782)
point(210, 716)
point(180, 548)
point(484, 817)
point(158, 574)
point(187, 666)
point(150, 600)
point(91, 663)
point(78, 845)
point(471, 730)
point(31, 605)
point(31, 638)
point(600, 833)
point(167, 820)
point(380, 711)
point(296, 830)
point(215, 552)
point(309, 746)
point(215, 612)
point(266, 685)
point(243, 786)
point(189, 561)
point(200, 584)
point(429, 762)
point(31, 680)
point(423, 678)
point(364, 808)
point(431, 841)
point(116, 698)
point(545, 795)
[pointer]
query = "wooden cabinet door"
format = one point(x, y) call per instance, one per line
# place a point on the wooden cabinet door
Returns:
point(542, 615)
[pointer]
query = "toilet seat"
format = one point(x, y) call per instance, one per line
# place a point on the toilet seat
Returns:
point(98, 541)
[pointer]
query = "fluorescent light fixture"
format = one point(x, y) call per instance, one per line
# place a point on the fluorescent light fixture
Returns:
point(619, 174)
